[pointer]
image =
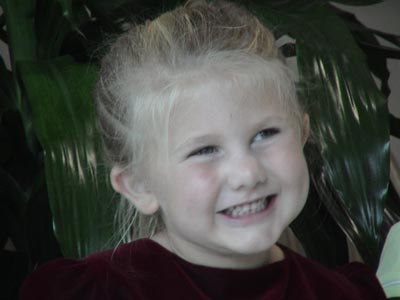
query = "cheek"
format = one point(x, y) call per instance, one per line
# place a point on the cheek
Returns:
point(300, 179)
point(294, 179)
point(188, 187)
point(296, 166)
point(292, 167)
point(197, 189)
point(198, 179)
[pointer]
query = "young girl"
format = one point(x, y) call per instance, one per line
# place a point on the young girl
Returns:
point(205, 136)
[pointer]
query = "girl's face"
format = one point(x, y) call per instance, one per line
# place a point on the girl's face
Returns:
point(233, 179)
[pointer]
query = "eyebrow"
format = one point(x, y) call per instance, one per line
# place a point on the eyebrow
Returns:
point(277, 119)
point(213, 138)
point(268, 119)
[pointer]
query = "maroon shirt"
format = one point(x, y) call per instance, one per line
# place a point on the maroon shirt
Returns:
point(145, 270)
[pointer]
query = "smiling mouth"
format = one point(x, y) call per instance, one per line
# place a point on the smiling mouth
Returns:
point(239, 211)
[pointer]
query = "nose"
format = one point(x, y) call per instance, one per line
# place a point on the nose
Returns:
point(245, 172)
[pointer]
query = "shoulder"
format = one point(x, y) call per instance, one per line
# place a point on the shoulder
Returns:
point(351, 281)
point(110, 274)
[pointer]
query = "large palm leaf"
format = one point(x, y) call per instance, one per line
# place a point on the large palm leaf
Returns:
point(59, 92)
point(349, 121)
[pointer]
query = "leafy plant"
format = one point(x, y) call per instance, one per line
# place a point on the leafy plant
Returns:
point(345, 108)
point(51, 157)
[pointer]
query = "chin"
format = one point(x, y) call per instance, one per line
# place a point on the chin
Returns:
point(253, 244)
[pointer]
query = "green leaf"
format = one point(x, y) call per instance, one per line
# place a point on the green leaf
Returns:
point(21, 38)
point(59, 93)
point(13, 206)
point(75, 12)
point(20, 29)
point(394, 39)
point(6, 91)
point(358, 2)
point(375, 53)
point(51, 27)
point(42, 244)
point(321, 237)
point(105, 5)
point(349, 121)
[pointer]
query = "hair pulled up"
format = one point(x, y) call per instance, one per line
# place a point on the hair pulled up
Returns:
point(146, 68)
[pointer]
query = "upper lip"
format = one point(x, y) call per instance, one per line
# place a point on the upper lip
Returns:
point(244, 202)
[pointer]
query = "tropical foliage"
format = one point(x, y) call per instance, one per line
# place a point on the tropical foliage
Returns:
point(54, 193)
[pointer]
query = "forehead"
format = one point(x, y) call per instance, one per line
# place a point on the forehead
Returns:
point(218, 111)
point(214, 96)
point(197, 99)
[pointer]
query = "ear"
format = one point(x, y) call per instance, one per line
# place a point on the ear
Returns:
point(135, 191)
point(305, 129)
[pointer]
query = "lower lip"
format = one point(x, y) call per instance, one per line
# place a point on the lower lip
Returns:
point(250, 218)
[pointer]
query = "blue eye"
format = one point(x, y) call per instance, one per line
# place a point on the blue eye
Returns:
point(266, 133)
point(204, 151)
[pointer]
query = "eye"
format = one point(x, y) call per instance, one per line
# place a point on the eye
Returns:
point(204, 151)
point(265, 134)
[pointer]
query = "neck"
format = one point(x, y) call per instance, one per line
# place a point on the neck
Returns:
point(220, 260)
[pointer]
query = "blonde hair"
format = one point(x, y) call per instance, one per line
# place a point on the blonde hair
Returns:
point(148, 66)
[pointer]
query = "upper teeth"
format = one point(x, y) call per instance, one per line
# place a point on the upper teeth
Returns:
point(250, 208)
